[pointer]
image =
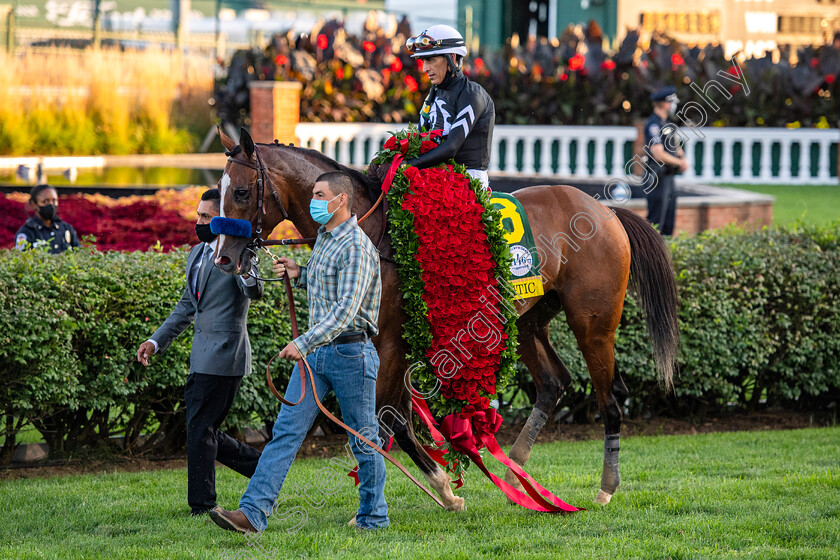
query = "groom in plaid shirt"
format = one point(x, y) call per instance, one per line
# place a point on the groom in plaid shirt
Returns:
point(343, 288)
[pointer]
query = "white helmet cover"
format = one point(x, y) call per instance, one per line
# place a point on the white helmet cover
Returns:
point(452, 42)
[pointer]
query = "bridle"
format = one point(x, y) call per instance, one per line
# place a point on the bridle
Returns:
point(256, 243)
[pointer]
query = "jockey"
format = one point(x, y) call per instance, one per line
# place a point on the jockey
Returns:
point(456, 105)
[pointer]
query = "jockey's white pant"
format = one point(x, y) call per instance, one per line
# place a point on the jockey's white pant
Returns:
point(482, 176)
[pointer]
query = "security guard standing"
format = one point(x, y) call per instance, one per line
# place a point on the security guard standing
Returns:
point(45, 228)
point(666, 160)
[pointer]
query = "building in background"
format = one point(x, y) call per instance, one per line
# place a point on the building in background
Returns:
point(748, 26)
point(425, 13)
point(240, 21)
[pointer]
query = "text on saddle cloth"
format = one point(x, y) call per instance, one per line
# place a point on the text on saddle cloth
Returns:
point(525, 267)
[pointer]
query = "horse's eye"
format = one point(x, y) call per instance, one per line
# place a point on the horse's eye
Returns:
point(240, 194)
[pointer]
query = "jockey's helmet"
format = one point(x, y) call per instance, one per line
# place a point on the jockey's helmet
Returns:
point(435, 40)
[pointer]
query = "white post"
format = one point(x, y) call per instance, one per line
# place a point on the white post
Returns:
point(545, 155)
point(784, 159)
point(563, 157)
point(599, 165)
point(726, 161)
point(581, 169)
point(528, 145)
point(823, 172)
point(804, 172)
point(707, 171)
point(765, 171)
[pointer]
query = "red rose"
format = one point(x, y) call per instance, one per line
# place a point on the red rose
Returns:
point(391, 143)
point(427, 145)
point(576, 62)
point(468, 412)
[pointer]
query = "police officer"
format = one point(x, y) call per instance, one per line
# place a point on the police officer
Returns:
point(666, 159)
point(458, 106)
point(45, 228)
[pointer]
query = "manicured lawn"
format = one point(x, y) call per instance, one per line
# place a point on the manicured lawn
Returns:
point(814, 204)
point(728, 495)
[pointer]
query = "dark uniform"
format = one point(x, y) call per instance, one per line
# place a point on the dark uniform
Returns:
point(662, 199)
point(60, 237)
point(466, 114)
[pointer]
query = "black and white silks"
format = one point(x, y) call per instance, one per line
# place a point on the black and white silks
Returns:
point(465, 113)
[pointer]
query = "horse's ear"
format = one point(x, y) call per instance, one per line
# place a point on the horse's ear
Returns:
point(247, 143)
point(227, 141)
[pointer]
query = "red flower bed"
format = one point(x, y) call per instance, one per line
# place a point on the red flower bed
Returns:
point(130, 227)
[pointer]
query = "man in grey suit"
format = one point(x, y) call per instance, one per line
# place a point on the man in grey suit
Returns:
point(220, 357)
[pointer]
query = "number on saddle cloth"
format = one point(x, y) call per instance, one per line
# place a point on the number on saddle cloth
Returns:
point(525, 266)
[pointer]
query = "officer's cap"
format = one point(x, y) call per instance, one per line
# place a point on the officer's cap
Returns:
point(663, 94)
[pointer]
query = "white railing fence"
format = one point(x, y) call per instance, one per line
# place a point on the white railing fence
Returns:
point(716, 155)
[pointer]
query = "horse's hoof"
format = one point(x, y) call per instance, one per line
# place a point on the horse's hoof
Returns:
point(511, 479)
point(603, 498)
point(352, 522)
point(455, 503)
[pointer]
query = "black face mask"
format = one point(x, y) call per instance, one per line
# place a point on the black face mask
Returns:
point(47, 211)
point(204, 234)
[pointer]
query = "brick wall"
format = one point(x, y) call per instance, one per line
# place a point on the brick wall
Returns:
point(696, 218)
point(275, 111)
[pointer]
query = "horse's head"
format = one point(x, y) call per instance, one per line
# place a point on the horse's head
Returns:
point(240, 193)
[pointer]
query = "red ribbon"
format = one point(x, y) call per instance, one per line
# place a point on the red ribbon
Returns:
point(392, 171)
point(354, 472)
point(399, 158)
point(436, 453)
point(470, 435)
point(422, 409)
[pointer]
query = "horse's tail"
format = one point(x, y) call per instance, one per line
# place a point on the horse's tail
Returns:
point(652, 281)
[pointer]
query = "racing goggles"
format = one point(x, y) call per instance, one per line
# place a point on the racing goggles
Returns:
point(425, 43)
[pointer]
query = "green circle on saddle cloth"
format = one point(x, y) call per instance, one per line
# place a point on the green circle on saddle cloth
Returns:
point(525, 265)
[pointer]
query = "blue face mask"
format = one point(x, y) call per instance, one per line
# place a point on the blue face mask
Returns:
point(318, 210)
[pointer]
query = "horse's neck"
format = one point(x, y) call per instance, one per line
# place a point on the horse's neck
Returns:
point(300, 172)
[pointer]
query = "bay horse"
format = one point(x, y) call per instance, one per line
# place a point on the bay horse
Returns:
point(587, 254)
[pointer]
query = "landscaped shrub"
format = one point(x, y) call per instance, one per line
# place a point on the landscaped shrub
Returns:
point(70, 326)
point(759, 323)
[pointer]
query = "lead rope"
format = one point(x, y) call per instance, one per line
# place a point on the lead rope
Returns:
point(302, 363)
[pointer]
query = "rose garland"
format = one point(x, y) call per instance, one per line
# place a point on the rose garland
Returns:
point(451, 256)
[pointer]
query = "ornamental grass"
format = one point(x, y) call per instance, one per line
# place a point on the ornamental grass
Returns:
point(65, 101)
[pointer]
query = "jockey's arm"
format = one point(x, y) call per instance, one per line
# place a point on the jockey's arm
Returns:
point(442, 153)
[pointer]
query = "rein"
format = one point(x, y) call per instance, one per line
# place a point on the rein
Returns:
point(257, 243)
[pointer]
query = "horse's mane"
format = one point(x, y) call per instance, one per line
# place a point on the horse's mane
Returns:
point(370, 183)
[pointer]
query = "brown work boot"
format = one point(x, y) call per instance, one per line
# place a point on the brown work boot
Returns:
point(231, 520)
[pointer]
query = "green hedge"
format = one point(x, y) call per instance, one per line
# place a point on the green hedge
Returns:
point(70, 326)
point(759, 318)
point(759, 326)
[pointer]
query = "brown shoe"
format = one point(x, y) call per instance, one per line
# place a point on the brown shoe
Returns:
point(231, 520)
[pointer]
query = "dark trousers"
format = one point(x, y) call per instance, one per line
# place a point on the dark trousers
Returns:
point(662, 204)
point(208, 399)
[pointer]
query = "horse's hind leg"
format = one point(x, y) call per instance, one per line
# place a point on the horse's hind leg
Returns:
point(610, 392)
point(551, 378)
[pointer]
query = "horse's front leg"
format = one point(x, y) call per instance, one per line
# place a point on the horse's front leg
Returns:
point(394, 412)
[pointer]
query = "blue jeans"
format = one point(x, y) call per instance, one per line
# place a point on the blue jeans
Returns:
point(350, 371)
